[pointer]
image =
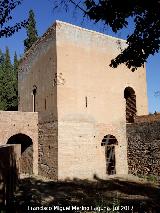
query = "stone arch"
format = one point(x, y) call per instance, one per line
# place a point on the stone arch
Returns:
point(26, 161)
point(130, 96)
point(110, 141)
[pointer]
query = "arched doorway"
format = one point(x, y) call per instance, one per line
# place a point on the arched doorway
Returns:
point(130, 96)
point(109, 141)
point(26, 161)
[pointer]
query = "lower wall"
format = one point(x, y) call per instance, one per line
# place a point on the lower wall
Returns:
point(48, 149)
point(80, 153)
point(144, 148)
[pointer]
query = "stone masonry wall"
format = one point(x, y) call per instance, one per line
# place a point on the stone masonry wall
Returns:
point(26, 162)
point(147, 118)
point(144, 148)
point(48, 147)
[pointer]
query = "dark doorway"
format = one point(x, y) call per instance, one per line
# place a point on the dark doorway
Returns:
point(129, 95)
point(26, 161)
point(109, 141)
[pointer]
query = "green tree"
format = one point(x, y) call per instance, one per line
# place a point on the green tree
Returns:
point(15, 61)
point(5, 65)
point(8, 84)
point(15, 82)
point(6, 7)
point(145, 39)
point(1, 58)
point(8, 80)
point(32, 34)
point(2, 102)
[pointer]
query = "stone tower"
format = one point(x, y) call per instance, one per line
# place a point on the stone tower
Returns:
point(82, 103)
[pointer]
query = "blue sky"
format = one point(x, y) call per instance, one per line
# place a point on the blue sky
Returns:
point(45, 17)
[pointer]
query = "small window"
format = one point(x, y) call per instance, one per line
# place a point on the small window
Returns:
point(45, 104)
point(86, 101)
point(34, 92)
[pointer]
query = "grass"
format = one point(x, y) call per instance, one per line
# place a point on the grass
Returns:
point(151, 178)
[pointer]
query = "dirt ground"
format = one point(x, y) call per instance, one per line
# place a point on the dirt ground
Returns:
point(128, 194)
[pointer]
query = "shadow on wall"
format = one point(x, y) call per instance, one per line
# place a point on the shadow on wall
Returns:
point(9, 160)
point(144, 197)
point(26, 161)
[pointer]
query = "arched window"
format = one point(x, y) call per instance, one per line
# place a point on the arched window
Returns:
point(130, 96)
point(109, 141)
point(26, 162)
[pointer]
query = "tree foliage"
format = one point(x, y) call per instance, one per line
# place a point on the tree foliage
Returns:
point(144, 40)
point(32, 34)
point(8, 72)
point(15, 82)
point(8, 82)
point(6, 7)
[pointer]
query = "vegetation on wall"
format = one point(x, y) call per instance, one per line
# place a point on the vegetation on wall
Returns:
point(8, 82)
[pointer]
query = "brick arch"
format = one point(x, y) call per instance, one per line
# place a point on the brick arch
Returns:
point(130, 96)
point(26, 161)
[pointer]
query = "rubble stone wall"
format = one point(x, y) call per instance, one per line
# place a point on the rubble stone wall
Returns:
point(26, 162)
point(144, 148)
point(48, 147)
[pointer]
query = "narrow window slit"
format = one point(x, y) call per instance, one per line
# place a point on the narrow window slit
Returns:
point(86, 102)
point(45, 104)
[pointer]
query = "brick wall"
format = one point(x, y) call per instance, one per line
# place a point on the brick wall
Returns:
point(13, 124)
point(144, 148)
